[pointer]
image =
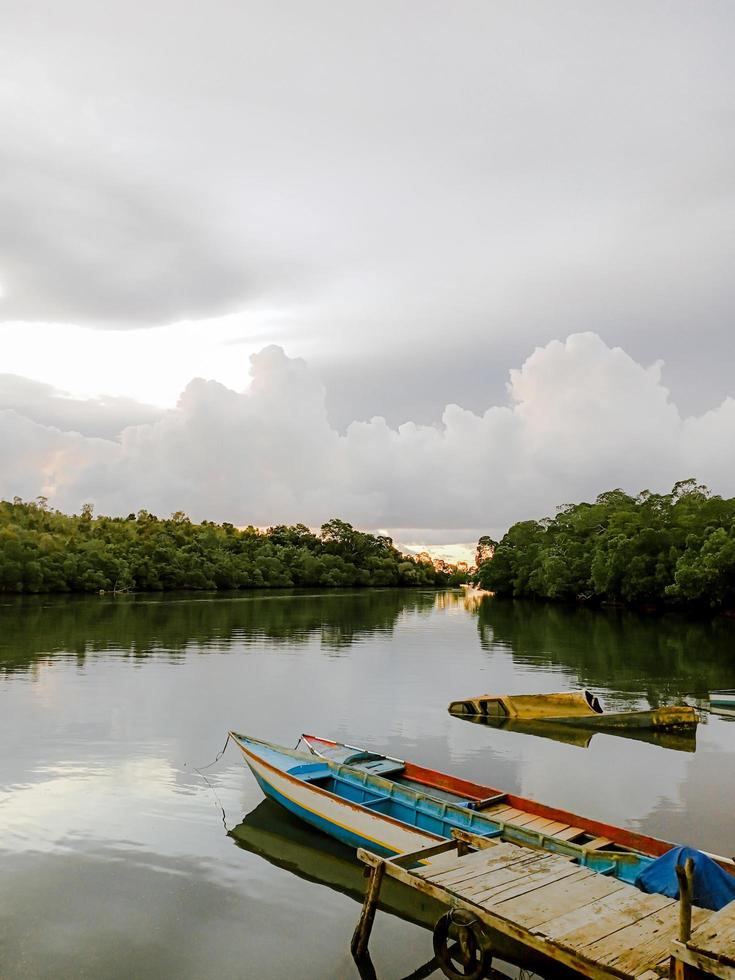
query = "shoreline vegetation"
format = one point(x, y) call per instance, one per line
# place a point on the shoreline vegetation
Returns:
point(652, 551)
point(43, 550)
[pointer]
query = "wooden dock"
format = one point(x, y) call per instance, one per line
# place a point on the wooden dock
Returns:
point(543, 911)
point(710, 950)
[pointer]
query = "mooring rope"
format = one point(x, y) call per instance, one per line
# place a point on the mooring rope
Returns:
point(200, 770)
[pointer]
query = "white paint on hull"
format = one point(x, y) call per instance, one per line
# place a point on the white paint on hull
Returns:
point(372, 826)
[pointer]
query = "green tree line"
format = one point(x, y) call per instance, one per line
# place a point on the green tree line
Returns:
point(673, 549)
point(43, 550)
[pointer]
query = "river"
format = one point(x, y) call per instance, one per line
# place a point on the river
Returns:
point(115, 855)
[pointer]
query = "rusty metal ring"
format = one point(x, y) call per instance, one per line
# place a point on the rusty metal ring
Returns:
point(473, 941)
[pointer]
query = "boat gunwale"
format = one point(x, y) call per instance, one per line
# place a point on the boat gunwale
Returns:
point(631, 840)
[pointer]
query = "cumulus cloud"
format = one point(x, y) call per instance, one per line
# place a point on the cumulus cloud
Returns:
point(580, 418)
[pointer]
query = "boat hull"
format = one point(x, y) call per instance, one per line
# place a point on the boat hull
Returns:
point(579, 708)
point(339, 818)
point(722, 699)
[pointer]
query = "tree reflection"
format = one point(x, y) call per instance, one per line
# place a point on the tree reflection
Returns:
point(32, 628)
point(664, 656)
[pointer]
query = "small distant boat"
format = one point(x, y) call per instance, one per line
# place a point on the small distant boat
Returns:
point(723, 699)
point(579, 708)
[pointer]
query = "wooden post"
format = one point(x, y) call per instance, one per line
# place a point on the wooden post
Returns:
point(364, 926)
point(685, 876)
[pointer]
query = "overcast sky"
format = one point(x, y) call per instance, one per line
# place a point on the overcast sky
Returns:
point(411, 198)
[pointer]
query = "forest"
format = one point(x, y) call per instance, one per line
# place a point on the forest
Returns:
point(44, 550)
point(675, 549)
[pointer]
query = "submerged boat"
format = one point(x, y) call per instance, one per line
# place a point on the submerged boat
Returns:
point(579, 708)
point(390, 806)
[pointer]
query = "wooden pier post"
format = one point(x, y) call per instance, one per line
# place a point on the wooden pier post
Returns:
point(364, 926)
point(686, 893)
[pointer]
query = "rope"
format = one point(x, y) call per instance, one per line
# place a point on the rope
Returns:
point(200, 770)
point(216, 758)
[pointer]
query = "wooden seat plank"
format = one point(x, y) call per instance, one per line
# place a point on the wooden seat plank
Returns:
point(569, 833)
point(540, 824)
point(555, 827)
point(597, 843)
point(523, 820)
point(499, 810)
point(510, 813)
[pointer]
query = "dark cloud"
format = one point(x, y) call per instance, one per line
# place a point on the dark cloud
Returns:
point(104, 417)
point(412, 177)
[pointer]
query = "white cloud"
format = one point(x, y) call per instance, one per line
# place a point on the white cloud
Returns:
point(581, 417)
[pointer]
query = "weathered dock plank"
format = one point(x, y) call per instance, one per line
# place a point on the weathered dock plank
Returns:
point(506, 877)
point(559, 900)
point(593, 922)
point(594, 925)
point(636, 947)
point(716, 938)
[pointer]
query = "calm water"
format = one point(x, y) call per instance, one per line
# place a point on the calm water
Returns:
point(115, 860)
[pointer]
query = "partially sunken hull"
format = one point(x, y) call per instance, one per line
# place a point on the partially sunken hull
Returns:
point(578, 708)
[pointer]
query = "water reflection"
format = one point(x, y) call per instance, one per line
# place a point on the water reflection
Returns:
point(581, 737)
point(34, 627)
point(664, 657)
point(114, 859)
point(286, 842)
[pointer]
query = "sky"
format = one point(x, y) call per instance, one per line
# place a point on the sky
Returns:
point(430, 267)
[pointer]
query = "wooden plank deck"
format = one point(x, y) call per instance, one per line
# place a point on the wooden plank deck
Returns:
point(595, 925)
point(711, 946)
point(520, 818)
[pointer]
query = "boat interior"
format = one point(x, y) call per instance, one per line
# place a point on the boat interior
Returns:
point(494, 807)
point(438, 811)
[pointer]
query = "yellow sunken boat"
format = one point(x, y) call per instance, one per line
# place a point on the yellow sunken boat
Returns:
point(579, 708)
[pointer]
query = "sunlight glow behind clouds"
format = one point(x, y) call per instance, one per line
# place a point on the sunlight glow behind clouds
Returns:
point(581, 418)
point(150, 365)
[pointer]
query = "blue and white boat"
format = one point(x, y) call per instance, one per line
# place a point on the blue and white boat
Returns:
point(722, 699)
point(391, 807)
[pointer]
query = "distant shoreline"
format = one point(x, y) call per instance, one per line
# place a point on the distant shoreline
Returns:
point(43, 551)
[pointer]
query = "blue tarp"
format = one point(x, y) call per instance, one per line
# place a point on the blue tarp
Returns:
point(714, 888)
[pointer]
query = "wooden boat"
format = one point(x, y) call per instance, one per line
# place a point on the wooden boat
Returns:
point(579, 708)
point(391, 806)
point(722, 699)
